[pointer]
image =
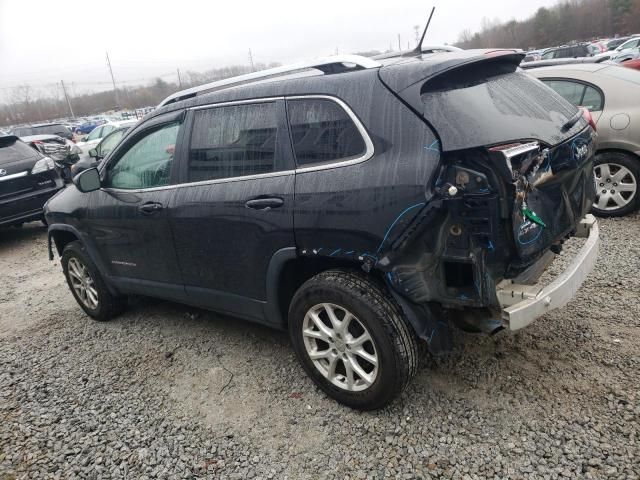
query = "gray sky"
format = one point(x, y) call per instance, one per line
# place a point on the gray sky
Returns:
point(43, 42)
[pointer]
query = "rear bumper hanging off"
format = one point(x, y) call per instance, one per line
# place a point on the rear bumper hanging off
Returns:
point(522, 304)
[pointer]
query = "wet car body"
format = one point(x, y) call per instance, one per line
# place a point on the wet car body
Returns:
point(444, 208)
point(24, 189)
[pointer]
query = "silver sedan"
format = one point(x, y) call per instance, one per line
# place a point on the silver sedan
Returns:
point(612, 95)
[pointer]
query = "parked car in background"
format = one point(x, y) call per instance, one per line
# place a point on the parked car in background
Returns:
point(628, 54)
point(567, 51)
point(616, 42)
point(101, 131)
point(635, 64)
point(565, 61)
point(612, 95)
point(27, 180)
point(87, 127)
point(624, 48)
point(63, 152)
point(322, 204)
point(43, 129)
point(95, 155)
point(532, 55)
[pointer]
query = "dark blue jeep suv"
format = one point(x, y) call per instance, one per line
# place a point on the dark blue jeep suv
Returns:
point(366, 205)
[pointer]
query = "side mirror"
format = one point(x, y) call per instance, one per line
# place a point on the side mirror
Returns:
point(87, 180)
point(93, 153)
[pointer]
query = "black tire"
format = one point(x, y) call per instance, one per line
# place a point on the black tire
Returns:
point(108, 305)
point(368, 300)
point(617, 159)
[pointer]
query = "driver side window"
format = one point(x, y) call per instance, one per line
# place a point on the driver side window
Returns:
point(147, 163)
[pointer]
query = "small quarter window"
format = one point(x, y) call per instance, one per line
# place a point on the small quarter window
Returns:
point(233, 141)
point(321, 131)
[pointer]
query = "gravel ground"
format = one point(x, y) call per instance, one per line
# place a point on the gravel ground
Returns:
point(167, 391)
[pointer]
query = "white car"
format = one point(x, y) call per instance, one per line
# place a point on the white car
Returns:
point(98, 133)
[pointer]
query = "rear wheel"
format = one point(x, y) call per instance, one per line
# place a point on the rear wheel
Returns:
point(616, 176)
point(87, 286)
point(352, 339)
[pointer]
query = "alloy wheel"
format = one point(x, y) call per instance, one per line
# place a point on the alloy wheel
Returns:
point(340, 347)
point(82, 283)
point(616, 186)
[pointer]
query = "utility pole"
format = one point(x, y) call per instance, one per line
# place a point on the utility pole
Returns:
point(399, 46)
point(179, 79)
point(115, 90)
point(67, 97)
point(253, 68)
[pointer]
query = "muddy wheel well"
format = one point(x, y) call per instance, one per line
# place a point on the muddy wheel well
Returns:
point(298, 270)
point(61, 238)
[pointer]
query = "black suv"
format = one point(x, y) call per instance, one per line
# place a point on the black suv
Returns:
point(363, 204)
point(27, 180)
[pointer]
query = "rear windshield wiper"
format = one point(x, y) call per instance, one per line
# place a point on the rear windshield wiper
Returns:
point(572, 121)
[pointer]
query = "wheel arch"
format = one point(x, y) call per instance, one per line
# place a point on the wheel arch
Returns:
point(286, 273)
point(623, 151)
point(61, 235)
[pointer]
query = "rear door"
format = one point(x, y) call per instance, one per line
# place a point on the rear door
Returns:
point(234, 209)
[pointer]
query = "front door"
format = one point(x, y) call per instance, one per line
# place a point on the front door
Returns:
point(129, 216)
point(236, 209)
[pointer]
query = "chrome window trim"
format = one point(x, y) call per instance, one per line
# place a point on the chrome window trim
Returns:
point(14, 175)
point(203, 182)
point(369, 149)
point(368, 152)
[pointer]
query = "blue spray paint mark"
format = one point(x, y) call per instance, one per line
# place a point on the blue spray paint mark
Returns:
point(433, 147)
point(396, 221)
point(335, 252)
point(349, 252)
point(533, 239)
point(490, 245)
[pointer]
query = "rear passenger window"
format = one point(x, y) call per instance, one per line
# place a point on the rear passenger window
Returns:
point(571, 91)
point(233, 141)
point(321, 131)
point(578, 94)
point(592, 99)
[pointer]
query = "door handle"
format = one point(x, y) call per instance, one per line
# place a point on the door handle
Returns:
point(264, 203)
point(150, 208)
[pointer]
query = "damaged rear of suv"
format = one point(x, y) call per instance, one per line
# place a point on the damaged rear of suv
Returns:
point(365, 205)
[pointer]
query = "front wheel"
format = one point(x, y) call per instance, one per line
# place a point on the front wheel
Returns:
point(616, 176)
point(87, 286)
point(352, 339)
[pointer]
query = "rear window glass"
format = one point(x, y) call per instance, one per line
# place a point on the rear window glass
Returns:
point(470, 109)
point(321, 131)
point(23, 132)
point(13, 151)
point(51, 130)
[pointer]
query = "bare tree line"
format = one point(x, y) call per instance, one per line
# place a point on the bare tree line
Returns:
point(569, 20)
point(28, 105)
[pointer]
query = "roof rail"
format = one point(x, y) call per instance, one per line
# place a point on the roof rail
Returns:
point(332, 64)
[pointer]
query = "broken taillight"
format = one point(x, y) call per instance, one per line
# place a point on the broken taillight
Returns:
point(588, 117)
